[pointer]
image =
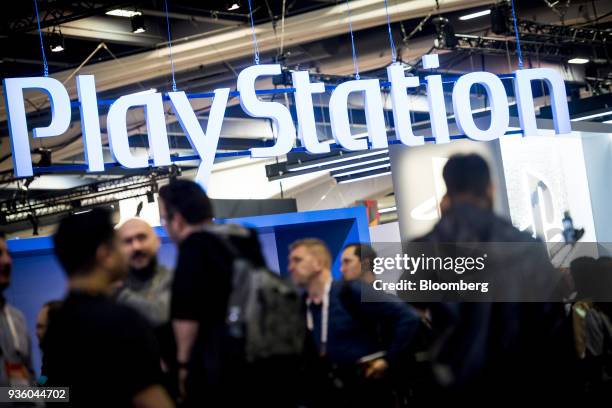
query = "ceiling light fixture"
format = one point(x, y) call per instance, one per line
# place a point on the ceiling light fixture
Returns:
point(475, 15)
point(232, 5)
point(595, 115)
point(387, 210)
point(138, 24)
point(56, 41)
point(338, 160)
point(352, 180)
point(578, 61)
point(123, 13)
point(361, 170)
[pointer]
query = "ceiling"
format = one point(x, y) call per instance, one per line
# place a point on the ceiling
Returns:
point(212, 44)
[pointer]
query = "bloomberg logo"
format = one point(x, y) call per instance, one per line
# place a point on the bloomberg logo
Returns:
point(205, 141)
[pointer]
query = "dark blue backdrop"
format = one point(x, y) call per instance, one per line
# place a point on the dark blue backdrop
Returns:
point(38, 278)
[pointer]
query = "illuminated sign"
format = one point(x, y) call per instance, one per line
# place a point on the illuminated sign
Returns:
point(205, 142)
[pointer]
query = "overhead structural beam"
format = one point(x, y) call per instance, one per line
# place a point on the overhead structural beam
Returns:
point(329, 22)
point(194, 18)
point(53, 13)
point(109, 30)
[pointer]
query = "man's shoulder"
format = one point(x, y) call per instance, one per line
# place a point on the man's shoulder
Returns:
point(101, 311)
point(17, 316)
point(15, 313)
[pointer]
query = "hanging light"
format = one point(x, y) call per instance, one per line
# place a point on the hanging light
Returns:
point(56, 41)
point(138, 24)
point(232, 5)
point(445, 33)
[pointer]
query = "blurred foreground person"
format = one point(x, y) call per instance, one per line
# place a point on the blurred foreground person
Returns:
point(592, 325)
point(212, 365)
point(106, 353)
point(45, 316)
point(357, 262)
point(494, 350)
point(15, 348)
point(350, 364)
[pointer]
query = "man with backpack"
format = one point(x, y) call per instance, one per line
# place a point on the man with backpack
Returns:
point(219, 280)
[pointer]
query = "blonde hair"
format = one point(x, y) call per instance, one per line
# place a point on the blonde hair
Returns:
point(316, 247)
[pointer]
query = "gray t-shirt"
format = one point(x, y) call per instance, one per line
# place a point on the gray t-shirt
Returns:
point(151, 297)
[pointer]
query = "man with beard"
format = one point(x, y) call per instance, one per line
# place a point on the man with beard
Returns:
point(147, 287)
point(15, 357)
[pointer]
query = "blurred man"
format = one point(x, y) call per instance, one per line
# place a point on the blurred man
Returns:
point(93, 343)
point(344, 329)
point(357, 262)
point(147, 287)
point(210, 363)
point(45, 316)
point(15, 347)
point(500, 348)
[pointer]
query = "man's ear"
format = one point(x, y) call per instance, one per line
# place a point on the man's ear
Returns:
point(179, 220)
point(318, 263)
point(103, 254)
point(445, 203)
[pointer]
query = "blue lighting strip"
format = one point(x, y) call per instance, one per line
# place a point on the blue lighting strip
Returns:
point(42, 45)
point(519, 52)
point(234, 94)
point(240, 153)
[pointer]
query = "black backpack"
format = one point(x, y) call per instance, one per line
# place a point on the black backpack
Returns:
point(264, 310)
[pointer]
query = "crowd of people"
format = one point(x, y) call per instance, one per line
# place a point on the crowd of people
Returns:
point(131, 332)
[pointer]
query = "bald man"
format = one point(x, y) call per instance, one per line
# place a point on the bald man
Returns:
point(147, 287)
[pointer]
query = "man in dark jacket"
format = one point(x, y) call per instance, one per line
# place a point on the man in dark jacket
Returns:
point(210, 361)
point(503, 346)
point(350, 365)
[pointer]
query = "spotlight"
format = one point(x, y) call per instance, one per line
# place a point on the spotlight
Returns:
point(445, 33)
point(175, 172)
point(56, 41)
point(500, 15)
point(45, 157)
point(138, 24)
point(232, 5)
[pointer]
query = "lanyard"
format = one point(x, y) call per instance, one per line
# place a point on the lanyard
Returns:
point(324, 316)
point(11, 325)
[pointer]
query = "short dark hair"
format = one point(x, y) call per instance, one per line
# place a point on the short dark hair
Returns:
point(363, 251)
point(53, 308)
point(466, 173)
point(2, 234)
point(188, 199)
point(79, 236)
point(584, 273)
